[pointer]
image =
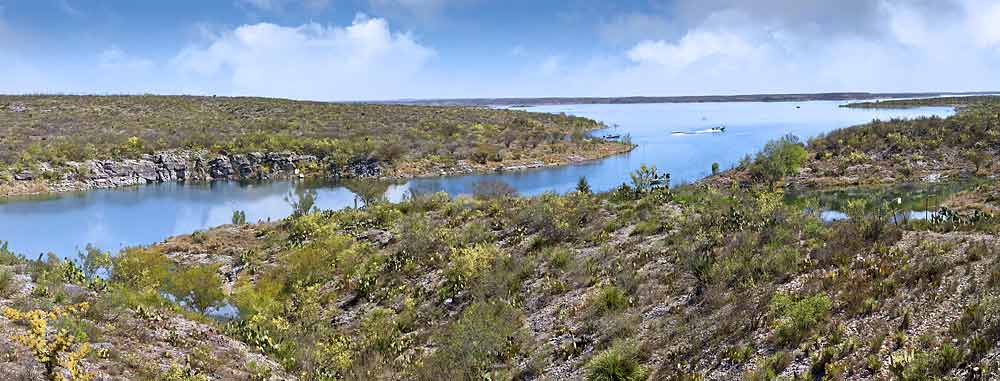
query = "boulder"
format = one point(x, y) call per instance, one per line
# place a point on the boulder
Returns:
point(220, 168)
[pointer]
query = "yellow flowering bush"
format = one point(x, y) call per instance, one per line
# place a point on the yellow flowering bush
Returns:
point(53, 351)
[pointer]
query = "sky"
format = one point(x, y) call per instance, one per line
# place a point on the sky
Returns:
point(402, 49)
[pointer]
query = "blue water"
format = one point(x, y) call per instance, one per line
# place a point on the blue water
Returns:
point(113, 219)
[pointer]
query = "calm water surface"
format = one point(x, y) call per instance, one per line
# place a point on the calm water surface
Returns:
point(112, 219)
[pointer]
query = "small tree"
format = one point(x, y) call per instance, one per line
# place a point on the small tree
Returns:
point(779, 158)
point(302, 200)
point(976, 157)
point(644, 178)
point(369, 191)
point(490, 189)
point(239, 217)
point(715, 169)
point(583, 186)
point(140, 269)
point(199, 287)
point(92, 260)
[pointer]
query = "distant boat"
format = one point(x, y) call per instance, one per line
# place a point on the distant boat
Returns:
point(713, 130)
point(612, 136)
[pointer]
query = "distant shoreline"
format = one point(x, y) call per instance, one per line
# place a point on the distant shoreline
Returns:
point(547, 101)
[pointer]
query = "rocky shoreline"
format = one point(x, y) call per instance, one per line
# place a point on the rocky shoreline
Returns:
point(202, 166)
point(181, 166)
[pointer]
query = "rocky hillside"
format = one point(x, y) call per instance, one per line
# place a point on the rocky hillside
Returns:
point(693, 283)
point(894, 151)
point(55, 143)
point(701, 282)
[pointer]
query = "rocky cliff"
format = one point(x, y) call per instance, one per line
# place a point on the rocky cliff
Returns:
point(191, 166)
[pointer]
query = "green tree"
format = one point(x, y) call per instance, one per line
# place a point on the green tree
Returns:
point(583, 186)
point(140, 268)
point(779, 158)
point(239, 217)
point(302, 199)
point(199, 287)
point(644, 178)
point(369, 191)
point(715, 169)
point(92, 260)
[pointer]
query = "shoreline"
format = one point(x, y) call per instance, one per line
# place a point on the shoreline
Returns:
point(199, 167)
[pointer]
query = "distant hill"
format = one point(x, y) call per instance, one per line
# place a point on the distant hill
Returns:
point(672, 99)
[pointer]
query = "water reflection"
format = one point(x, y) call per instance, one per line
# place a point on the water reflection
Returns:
point(905, 202)
point(112, 219)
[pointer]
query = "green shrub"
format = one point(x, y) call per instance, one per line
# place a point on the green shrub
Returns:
point(559, 257)
point(8, 284)
point(199, 287)
point(795, 318)
point(140, 268)
point(610, 299)
point(583, 186)
point(92, 260)
point(419, 237)
point(8, 257)
point(302, 200)
point(778, 159)
point(488, 334)
point(618, 363)
point(644, 178)
point(770, 367)
point(492, 189)
point(317, 261)
point(465, 266)
point(239, 217)
point(380, 333)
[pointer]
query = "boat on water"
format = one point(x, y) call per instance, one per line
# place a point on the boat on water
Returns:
point(713, 130)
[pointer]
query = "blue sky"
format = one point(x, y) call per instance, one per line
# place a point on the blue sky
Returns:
point(390, 49)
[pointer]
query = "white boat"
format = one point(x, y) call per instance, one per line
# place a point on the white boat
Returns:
point(713, 130)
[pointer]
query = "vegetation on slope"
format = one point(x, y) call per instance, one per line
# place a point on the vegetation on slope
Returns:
point(689, 283)
point(927, 102)
point(897, 150)
point(644, 282)
point(56, 129)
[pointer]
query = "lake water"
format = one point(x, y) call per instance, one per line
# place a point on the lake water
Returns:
point(112, 219)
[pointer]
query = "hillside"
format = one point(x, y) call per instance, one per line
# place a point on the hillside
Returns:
point(53, 143)
point(895, 151)
point(926, 102)
point(516, 102)
point(707, 281)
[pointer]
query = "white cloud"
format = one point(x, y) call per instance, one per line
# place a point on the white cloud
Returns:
point(69, 9)
point(365, 60)
point(550, 65)
point(788, 46)
point(634, 26)
point(693, 47)
point(116, 59)
point(984, 20)
point(281, 5)
point(518, 51)
point(420, 9)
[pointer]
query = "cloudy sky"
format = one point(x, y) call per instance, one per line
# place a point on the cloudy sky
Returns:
point(392, 49)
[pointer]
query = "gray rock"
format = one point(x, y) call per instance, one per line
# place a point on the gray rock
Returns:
point(17, 107)
point(220, 168)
